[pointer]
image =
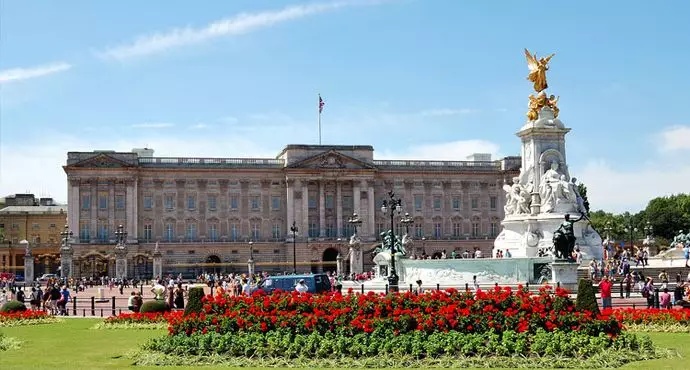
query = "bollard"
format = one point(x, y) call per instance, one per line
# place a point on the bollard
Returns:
point(119, 311)
point(410, 287)
point(93, 306)
point(558, 284)
point(141, 289)
point(101, 312)
point(527, 286)
point(496, 285)
point(362, 288)
point(83, 312)
point(74, 306)
point(656, 297)
point(621, 289)
point(386, 289)
point(633, 306)
point(113, 304)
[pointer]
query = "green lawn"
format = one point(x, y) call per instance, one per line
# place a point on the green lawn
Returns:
point(72, 345)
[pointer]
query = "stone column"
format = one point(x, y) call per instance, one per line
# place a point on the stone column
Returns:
point(28, 262)
point(111, 206)
point(157, 263)
point(322, 209)
point(66, 260)
point(121, 261)
point(250, 266)
point(356, 193)
point(74, 205)
point(290, 204)
point(339, 207)
point(305, 208)
point(372, 208)
point(94, 209)
point(130, 207)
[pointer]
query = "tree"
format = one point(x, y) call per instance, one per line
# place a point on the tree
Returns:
point(582, 189)
point(668, 215)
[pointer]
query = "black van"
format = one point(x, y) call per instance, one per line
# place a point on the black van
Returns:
point(317, 283)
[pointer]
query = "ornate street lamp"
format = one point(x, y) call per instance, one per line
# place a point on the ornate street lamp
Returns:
point(607, 242)
point(393, 205)
point(648, 229)
point(294, 231)
point(66, 254)
point(630, 230)
point(355, 221)
point(121, 253)
point(250, 263)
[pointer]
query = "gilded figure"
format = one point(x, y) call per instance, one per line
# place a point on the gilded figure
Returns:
point(537, 70)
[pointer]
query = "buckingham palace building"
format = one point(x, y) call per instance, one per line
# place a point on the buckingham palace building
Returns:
point(213, 214)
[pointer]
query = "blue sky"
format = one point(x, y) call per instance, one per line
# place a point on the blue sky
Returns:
point(425, 79)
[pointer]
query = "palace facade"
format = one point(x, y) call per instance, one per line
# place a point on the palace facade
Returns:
point(216, 213)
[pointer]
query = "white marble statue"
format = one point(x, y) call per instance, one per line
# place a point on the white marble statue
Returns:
point(355, 255)
point(555, 189)
point(518, 198)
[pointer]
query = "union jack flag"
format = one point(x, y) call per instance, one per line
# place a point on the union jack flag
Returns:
point(321, 104)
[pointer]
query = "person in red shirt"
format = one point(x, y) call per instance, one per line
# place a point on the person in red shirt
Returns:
point(605, 289)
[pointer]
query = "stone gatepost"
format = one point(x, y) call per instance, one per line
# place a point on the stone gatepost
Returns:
point(66, 261)
point(250, 266)
point(157, 263)
point(28, 262)
point(121, 262)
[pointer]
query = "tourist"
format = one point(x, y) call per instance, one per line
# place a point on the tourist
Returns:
point(35, 299)
point(648, 292)
point(665, 299)
point(130, 301)
point(301, 286)
point(663, 276)
point(475, 283)
point(137, 302)
point(179, 297)
point(627, 282)
point(63, 301)
point(508, 255)
point(158, 291)
point(605, 291)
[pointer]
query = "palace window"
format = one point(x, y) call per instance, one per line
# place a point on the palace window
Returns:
point(494, 228)
point(348, 229)
point(276, 231)
point(256, 230)
point(85, 202)
point(437, 203)
point(492, 203)
point(347, 202)
point(312, 202)
point(191, 202)
point(191, 231)
point(457, 229)
point(169, 232)
point(102, 231)
point(234, 232)
point(212, 202)
point(255, 202)
point(456, 203)
point(169, 202)
point(418, 230)
point(475, 229)
point(148, 202)
point(213, 232)
point(475, 202)
point(119, 202)
point(329, 201)
point(379, 230)
point(103, 202)
point(234, 202)
point(313, 229)
point(437, 231)
point(330, 230)
point(84, 233)
point(275, 203)
point(147, 232)
point(418, 200)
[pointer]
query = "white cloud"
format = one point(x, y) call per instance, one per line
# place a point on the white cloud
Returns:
point(674, 138)
point(19, 74)
point(153, 125)
point(199, 126)
point(237, 25)
point(447, 151)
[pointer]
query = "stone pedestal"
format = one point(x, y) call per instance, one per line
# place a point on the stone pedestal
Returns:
point(565, 274)
point(28, 262)
point(157, 263)
point(66, 262)
point(339, 268)
point(250, 266)
point(120, 262)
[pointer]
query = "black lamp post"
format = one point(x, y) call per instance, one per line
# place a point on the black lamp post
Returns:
point(607, 231)
point(394, 205)
point(648, 230)
point(630, 230)
point(120, 235)
point(355, 221)
point(66, 236)
point(294, 231)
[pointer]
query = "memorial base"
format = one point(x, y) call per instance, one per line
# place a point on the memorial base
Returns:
point(565, 274)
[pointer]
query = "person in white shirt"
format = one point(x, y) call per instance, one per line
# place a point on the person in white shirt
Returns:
point(247, 288)
point(301, 286)
point(159, 291)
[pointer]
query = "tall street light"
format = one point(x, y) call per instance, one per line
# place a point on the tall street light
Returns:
point(630, 230)
point(66, 253)
point(607, 243)
point(294, 231)
point(394, 205)
point(355, 221)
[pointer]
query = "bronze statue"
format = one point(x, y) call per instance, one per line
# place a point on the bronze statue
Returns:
point(537, 70)
point(564, 239)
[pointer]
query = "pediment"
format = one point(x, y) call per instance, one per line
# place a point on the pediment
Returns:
point(101, 161)
point(332, 160)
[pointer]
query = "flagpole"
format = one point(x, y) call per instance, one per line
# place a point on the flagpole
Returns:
point(320, 109)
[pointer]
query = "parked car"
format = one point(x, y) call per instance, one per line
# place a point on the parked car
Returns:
point(317, 283)
point(45, 277)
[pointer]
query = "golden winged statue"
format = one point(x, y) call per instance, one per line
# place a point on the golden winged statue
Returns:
point(537, 70)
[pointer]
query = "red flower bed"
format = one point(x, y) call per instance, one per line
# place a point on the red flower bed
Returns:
point(650, 316)
point(495, 310)
point(23, 315)
point(149, 317)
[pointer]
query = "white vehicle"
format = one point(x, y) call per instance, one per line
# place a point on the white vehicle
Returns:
point(45, 277)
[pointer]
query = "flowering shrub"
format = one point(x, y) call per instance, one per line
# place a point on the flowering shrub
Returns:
point(495, 311)
point(650, 316)
point(137, 317)
point(28, 317)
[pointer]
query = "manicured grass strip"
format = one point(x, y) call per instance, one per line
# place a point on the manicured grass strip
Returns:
point(131, 325)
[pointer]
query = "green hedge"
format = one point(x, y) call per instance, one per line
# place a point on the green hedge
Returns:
point(13, 306)
point(154, 306)
point(194, 301)
point(586, 297)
